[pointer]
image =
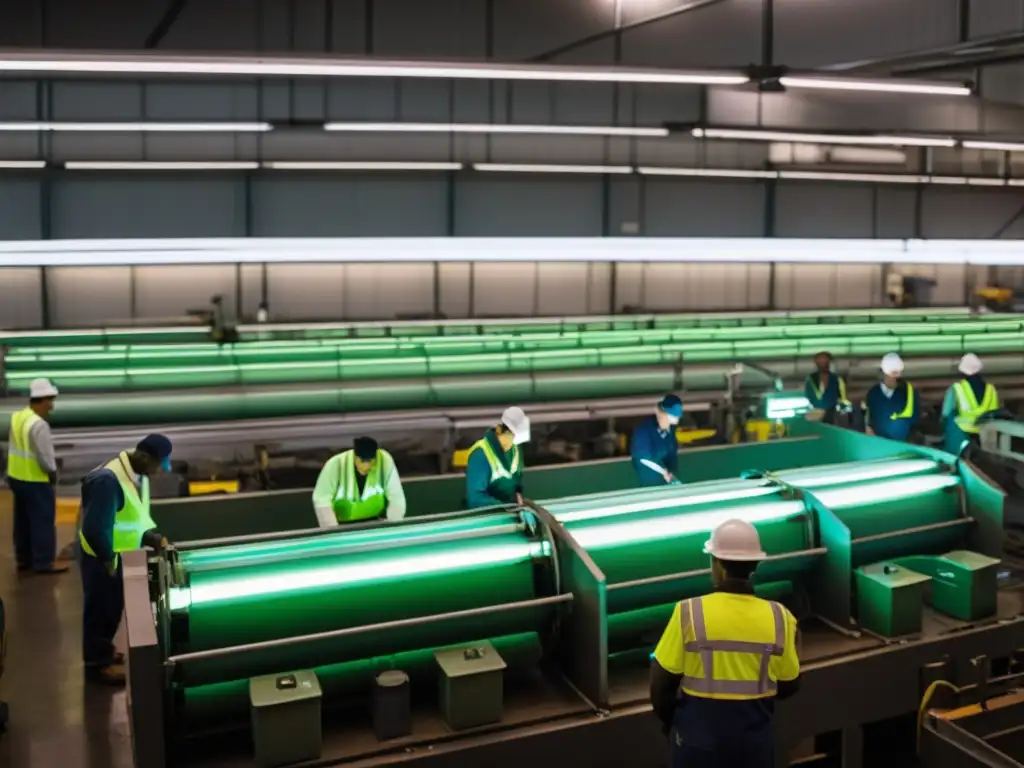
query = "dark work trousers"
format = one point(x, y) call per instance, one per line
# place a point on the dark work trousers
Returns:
point(101, 610)
point(35, 518)
point(713, 733)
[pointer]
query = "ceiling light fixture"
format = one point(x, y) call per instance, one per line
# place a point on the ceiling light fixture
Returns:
point(739, 134)
point(15, 165)
point(132, 127)
point(487, 128)
point(121, 165)
point(124, 64)
point(1004, 146)
point(541, 168)
point(876, 86)
point(328, 165)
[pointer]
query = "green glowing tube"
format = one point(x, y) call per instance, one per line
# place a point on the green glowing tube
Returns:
point(838, 474)
point(319, 594)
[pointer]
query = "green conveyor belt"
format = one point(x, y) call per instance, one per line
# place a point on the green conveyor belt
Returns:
point(177, 335)
point(247, 593)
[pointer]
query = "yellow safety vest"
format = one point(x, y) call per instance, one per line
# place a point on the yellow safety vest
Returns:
point(133, 518)
point(908, 411)
point(22, 463)
point(498, 471)
point(969, 408)
point(726, 668)
point(819, 391)
point(349, 505)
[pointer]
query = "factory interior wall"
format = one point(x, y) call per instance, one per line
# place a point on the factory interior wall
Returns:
point(244, 514)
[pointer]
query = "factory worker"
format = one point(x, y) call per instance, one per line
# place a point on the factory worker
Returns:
point(494, 472)
point(721, 713)
point(359, 484)
point(892, 407)
point(824, 389)
point(32, 476)
point(115, 518)
point(965, 402)
point(654, 446)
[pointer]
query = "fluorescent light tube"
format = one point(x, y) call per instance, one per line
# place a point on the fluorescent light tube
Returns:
point(823, 138)
point(871, 178)
point(119, 165)
point(135, 64)
point(327, 165)
point(1004, 146)
point(486, 128)
point(14, 165)
point(877, 86)
point(724, 173)
point(528, 168)
point(138, 127)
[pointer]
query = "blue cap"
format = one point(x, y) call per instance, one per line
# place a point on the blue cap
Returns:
point(159, 447)
point(671, 406)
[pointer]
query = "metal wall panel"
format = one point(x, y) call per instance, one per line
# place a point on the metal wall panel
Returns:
point(381, 291)
point(512, 207)
point(563, 289)
point(504, 289)
point(300, 206)
point(971, 213)
point(726, 34)
point(83, 297)
point(251, 279)
point(20, 199)
point(454, 294)
point(452, 29)
point(813, 34)
point(171, 291)
point(132, 206)
point(820, 210)
point(703, 208)
point(989, 18)
point(813, 286)
point(702, 287)
point(21, 303)
point(895, 211)
point(306, 291)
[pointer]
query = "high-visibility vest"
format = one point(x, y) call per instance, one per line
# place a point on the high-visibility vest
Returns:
point(819, 391)
point(968, 407)
point(728, 668)
point(349, 505)
point(132, 519)
point(22, 463)
point(498, 471)
point(908, 411)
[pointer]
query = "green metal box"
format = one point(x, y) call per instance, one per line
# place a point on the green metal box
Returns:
point(471, 685)
point(963, 582)
point(890, 599)
point(285, 713)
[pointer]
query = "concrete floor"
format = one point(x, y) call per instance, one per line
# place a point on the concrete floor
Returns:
point(55, 719)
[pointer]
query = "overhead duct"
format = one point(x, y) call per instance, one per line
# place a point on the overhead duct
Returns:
point(786, 153)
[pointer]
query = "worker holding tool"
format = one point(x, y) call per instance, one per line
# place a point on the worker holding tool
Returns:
point(494, 471)
point(359, 484)
point(654, 446)
point(824, 389)
point(115, 518)
point(892, 407)
point(32, 475)
point(966, 401)
point(722, 662)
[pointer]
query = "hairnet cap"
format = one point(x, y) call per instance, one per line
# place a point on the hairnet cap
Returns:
point(735, 540)
point(159, 447)
point(365, 448)
point(41, 388)
point(672, 407)
point(892, 364)
point(970, 364)
point(518, 423)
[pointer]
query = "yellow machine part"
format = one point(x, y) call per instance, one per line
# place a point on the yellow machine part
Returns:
point(687, 435)
point(67, 510)
point(760, 430)
point(206, 487)
point(994, 293)
point(460, 458)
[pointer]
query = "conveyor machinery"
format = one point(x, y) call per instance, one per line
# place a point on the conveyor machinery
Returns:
point(580, 586)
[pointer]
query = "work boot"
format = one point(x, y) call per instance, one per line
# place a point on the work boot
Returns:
point(112, 675)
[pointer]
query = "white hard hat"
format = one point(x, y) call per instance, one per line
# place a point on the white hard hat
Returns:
point(892, 364)
point(516, 420)
point(41, 388)
point(970, 364)
point(735, 540)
